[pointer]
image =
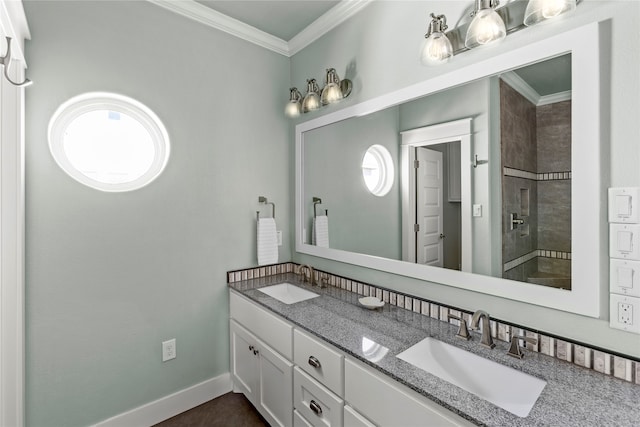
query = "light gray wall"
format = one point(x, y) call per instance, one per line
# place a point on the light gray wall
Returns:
point(379, 49)
point(358, 220)
point(110, 276)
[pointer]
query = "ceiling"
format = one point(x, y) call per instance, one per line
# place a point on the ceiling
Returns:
point(283, 26)
point(283, 19)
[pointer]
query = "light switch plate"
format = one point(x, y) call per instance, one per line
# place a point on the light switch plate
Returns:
point(624, 277)
point(624, 313)
point(624, 241)
point(623, 205)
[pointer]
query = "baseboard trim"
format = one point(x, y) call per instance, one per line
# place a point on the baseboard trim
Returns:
point(171, 405)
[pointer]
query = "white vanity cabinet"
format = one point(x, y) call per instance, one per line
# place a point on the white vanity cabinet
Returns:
point(388, 403)
point(263, 375)
point(296, 379)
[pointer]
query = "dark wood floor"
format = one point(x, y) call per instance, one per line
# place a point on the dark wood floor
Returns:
point(228, 410)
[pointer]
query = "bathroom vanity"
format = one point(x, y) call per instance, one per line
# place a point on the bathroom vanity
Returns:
point(328, 360)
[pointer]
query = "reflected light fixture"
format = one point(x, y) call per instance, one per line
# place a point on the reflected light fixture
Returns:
point(436, 48)
point(293, 107)
point(486, 27)
point(331, 92)
point(311, 99)
point(540, 10)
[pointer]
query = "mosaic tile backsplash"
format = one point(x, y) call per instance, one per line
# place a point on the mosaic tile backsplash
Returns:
point(572, 352)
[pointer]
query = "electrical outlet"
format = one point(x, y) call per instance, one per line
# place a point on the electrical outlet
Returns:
point(624, 313)
point(168, 350)
point(279, 234)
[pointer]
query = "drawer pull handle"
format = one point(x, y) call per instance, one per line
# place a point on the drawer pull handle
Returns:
point(314, 362)
point(315, 407)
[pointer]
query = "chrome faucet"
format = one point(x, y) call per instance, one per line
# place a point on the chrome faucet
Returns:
point(486, 340)
point(301, 272)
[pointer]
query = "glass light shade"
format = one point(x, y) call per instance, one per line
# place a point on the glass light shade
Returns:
point(487, 27)
point(436, 49)
point(292, 109)
point(311, 102)
point(331, 94)
point(541, 10)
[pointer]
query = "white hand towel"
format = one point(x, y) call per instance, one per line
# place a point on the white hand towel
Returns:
point(321, 231)
point(267, 241)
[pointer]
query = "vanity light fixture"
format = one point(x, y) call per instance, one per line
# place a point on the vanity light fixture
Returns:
point(294, 106)
point(486, 27)
point(436, 49)
point(491, 24)
point(541, 10)
point(334, 91)
point(311, 99)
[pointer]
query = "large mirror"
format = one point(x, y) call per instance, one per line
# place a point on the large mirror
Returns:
point(481, 178)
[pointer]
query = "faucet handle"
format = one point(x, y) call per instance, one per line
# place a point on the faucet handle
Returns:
point(514, 348)
point(463, 332)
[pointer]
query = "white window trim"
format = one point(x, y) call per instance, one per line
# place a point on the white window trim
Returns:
point(92, 101)
point(387, 172)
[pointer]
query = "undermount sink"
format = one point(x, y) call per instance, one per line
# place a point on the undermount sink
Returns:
point(288, 293)
point(501, 385)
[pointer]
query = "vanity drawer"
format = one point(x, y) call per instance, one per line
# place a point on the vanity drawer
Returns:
point(387, 403)
point(318, 360)
point(317, 404)
point(275, 332)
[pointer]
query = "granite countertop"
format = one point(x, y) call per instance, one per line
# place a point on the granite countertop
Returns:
point(573, 396)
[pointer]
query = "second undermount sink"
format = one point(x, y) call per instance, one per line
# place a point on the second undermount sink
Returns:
point(288, 293)
point(501, 385)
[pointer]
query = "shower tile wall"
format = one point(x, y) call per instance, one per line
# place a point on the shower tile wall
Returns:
point(554, 196)
point(518, 151)
point(537, 140)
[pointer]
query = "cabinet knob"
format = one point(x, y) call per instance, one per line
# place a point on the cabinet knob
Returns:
point(314, 362)
point(315, 407)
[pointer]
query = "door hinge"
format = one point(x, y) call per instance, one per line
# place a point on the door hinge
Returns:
point(416, 228)
point(416, 164)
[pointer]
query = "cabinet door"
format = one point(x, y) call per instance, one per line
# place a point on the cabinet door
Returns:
point(244, 363)
point(354, 419)
point(276, 385)
point(386, 403)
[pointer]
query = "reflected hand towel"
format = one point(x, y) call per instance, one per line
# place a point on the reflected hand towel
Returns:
point(321, 231)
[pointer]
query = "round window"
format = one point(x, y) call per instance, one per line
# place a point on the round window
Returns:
point(377, 170)
point(108, 142)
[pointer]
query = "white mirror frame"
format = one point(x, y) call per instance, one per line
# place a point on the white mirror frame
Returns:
point(589, 232)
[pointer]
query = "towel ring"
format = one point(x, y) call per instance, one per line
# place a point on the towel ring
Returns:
point(316, 202)
point(262, 199)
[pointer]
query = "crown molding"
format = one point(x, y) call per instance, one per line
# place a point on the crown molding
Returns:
point(523, 88)
point(554, 97)
point(325, 23)
point(520, 86)
point(200, 13)
point(214, 19)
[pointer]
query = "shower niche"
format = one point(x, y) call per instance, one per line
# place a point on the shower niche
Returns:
point(535, 150)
